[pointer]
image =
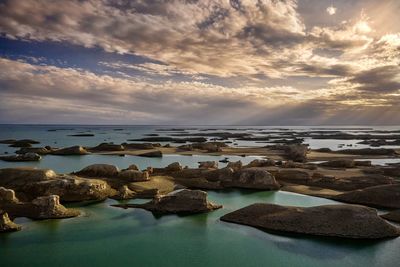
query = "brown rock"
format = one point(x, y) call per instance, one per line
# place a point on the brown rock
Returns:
point(346, 221)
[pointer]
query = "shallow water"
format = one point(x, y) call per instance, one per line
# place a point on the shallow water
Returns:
point(108, 236)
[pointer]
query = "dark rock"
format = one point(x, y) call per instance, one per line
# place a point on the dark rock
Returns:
point(393, 216)
point(106, 147)
point(381, 196)
point(178, 202)
point(208, 165)
point(22, 157)
point(346, 221)
point(151, 154)
point(99, 170)
point(339, 163)
point(251, 178)
point(37, 150)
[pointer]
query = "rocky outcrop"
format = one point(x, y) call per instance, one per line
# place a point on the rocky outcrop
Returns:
point(177, 202)
point(6, 225)
point(29, 183)
point(73, 150)
point(37, 150)
point(251, 178)
point(99, 170)
point(7, 196)
point(151, 154)
point(208, 165)
point(133, 175)
point(292, 175)
point(346, 221)
point(382, 196)
point(22, 157)
point(106, 147)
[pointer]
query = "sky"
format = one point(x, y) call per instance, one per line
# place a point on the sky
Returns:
point(181, 62)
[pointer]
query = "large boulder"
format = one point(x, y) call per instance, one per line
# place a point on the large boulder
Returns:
point(381, 196)
point(346, 221)
point(7, 196)
point(179, 202)
point(133, 175)
point(73, 150)
point(29, 183)
point(252, 178)
point(6, 225)
point(99, 170)
point(106, 147)
point(22, 157)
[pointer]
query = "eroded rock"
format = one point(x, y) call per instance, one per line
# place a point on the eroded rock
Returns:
point(347, 221)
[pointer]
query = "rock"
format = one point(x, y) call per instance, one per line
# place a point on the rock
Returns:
point(174, 167)
point(37, 150)
point(74, 150)
point(99, 170)
point(252, 178)
point(107, 147)
point(178, 202)
point(22, 157)
point(124, 193)
point(29, 183)
point(143, 146)
point(133, 175)
point(346, 221)
point(292, 175)
point(6, 225)
point(7, 196)
point(151, 154)
point(133, 167)
point(260, 163)
point(296, 152)
point(339, 163)
point(363, 163)
point(23, 143)
point(236, 166)
point(49, 207)
point(393, 216)
point(208, 165)
point(369, 151)
point(381, 196)
point(82, 135)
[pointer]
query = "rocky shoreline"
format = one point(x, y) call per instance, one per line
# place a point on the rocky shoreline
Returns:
point(288, 166)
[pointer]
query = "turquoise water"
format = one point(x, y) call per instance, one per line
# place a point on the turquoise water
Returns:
point(108, 236)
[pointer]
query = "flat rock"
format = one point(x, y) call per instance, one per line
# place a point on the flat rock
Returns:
point(381, 196)
point(22, 157)
point(177, 202)
point(151, 154)
point(73, 150)
point(346, 221)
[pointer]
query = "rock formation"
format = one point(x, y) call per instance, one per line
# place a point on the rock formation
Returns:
point(178, 202)
point(346, 221)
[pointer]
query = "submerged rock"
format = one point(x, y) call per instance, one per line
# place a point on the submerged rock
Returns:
point(151, 154)
point(22, 157)
point(381, 196)
point(347, 221)
point(6, 225)
point(179, 202)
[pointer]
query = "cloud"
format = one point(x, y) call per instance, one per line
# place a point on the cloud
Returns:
point(331, 10)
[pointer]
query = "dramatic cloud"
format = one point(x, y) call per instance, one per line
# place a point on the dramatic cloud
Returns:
point(201, 61)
